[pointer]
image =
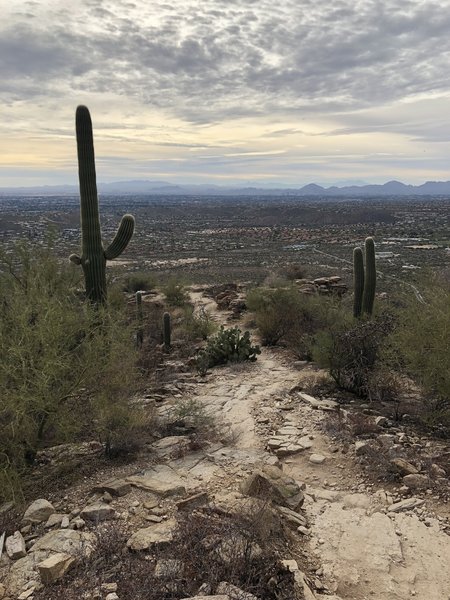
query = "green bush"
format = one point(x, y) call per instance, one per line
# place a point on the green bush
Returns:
point(420, 348)
point(228, 345)
point(351, 352)
point(175, 292)
point(198, 325)
point(140, 280)
point(284, 315)
point(67, 369)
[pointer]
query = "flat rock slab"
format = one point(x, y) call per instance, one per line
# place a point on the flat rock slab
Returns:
point(97, 512)
point(144, 539)
point(67, 541)
point(327, 405)
point(161, 480)
point(115, 487)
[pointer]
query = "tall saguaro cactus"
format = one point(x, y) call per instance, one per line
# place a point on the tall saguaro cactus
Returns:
point(364, 282)
point(370, 279)
point(358, 281)
point(94, 256)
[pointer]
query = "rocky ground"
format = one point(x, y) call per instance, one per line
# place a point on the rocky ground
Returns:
point(354, 534)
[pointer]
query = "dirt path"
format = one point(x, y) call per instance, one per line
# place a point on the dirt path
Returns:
point(365, 548)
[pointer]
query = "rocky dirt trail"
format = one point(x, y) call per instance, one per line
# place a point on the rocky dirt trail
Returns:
point(370, 543)
point(353, 539)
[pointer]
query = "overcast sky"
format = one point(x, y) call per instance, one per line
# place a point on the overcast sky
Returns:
point(227, 91)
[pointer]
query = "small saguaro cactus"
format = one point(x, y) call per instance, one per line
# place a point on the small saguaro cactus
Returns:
point(370, 279)
point(358, 281)
point(93, 257)
point(364, 281)
point(140, 320)
point(166, 330)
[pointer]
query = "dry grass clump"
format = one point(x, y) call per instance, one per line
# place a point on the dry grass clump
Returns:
point(209, 547)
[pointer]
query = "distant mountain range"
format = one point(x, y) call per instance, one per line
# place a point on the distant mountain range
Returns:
point(147, 187)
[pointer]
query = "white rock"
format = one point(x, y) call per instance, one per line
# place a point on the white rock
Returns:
point(15, 546)
point(38, 511)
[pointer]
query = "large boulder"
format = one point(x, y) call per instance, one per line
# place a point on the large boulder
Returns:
point(39, 511)
point(271, 483)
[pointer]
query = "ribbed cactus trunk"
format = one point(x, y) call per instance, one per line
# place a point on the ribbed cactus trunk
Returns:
point(140, 319)
point(370, 280)
point(93, 258)
point(166, 331)
point(358, 281)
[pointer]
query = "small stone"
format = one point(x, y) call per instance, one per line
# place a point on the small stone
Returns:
point(436, 471)
point(115, 487)
point(303, 530)
point(65, 522)
point(15, 546)
point(193, 501)
point(107, 497)
point(416, 482)
point(362, 447)
point(39, 511)
point(54, 520)
point(317, 459)
point(233, 592)
point(112, 596)
point(78, 523)
point(407, 504)
point(54, 567)
point(109, 587)
point(145, 538)
point(381, 421)
point(402, 466)
point(153, 518)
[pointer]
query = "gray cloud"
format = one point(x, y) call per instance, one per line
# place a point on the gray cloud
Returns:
point(210, 60)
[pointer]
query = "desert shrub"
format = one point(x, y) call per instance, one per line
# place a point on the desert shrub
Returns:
point(198, 325)
point(351, 352)
point(175, 292)
point(67, 369)
point(420, 349)
point(210, 547)
point(286, 315)
point(228, 345)
point(294, 271)
point(140, 280)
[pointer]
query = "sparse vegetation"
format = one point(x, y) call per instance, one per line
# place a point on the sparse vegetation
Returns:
point(67, 370)
point(175, 292)
point(239, 548)
point(138, 281)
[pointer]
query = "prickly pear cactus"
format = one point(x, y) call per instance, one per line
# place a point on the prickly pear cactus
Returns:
point(93, 257)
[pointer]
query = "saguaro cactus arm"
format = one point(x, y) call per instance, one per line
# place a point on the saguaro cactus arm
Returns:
point(121, 239)
point(93, 257)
